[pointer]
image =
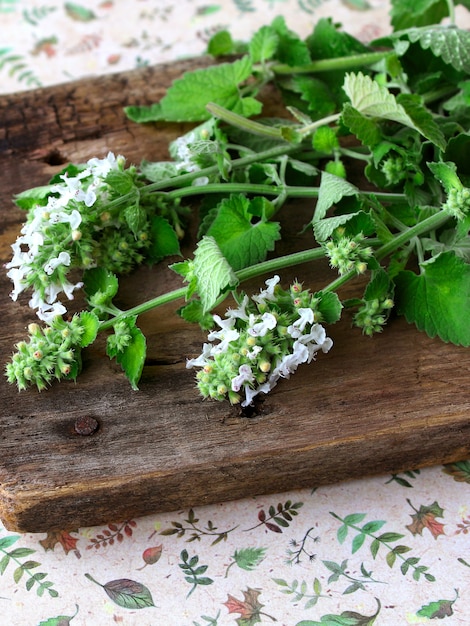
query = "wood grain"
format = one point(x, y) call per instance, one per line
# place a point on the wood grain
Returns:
point(397, 401)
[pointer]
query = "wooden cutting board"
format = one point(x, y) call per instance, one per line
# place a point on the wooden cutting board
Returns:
point(395, 402)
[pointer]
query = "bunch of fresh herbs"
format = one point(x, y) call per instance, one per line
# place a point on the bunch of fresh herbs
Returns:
point(396, 109)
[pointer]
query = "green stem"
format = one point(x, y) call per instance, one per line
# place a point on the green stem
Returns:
point(252, 271)
point(187, 179)
point(451, 7)
point(338, 63)
point(272, 190)
point(427, 225)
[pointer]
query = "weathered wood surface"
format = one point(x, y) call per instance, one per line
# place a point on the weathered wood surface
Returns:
point(395, 402)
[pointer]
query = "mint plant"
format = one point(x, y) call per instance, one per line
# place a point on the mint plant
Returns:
point(394, 111)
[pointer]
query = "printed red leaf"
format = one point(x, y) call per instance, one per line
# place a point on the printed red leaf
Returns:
point(273, 527)
point(151, 555)
point(262, 516)
point(62, 537)
point(249, 608)
point(425, 517)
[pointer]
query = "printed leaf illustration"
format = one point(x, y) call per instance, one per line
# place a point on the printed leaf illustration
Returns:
point(78, 12)
point(346, 618)
point(425, 517)
point(62, 537)
point(126, 593)
point(247, 558)
point(60, 620)
point(459, 471)
point(249, 608)
point(438, 609)
point(193, 571)
point(114, 532)
point(24, 568)
point(278, 517)
point(151, 555)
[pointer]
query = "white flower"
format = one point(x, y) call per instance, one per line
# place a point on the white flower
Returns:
point(202, 359)
point(225, 335)
point(52, 264)
point(102, 167)
point(16, 274)
point(268, 322)
point(239, 313)
point(305, 317)
point(245, 375)
point(47, 312)
point(267, 294)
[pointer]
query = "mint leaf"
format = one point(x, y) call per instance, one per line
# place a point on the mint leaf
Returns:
point(374, 100)
point(446, 174)
point(366, 130)
point(263, 44)
point(31, 197)
point(164, 240)
point(329, 307)
point(192, 312)
point(422, 119)
point(100, 280)
point(220, 44)
point(438, 300)
point(332, 189)
point(358, 222)
point(132, 357)
point(187, 97)
point(291, 49)
point(452, 45)
point(90, 324)
point(418, 13)
point(242, 241)
point(135, 217)
point(120, 182)
point(213, 273)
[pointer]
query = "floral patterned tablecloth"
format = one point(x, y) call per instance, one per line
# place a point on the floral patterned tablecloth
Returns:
point(387, 550)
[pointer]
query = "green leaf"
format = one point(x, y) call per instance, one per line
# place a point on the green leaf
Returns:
point(438, 300)
point(214, 275)
point(357, 542)
point(120, 182)
point(241, 241)
point(366, 130)
point(354, 518)
point(60, 620)
point(187, 97)
point(263, 44)
point(193, 313)
point(132, 357)
point(127, 593)
point(332, 190)
point(99, 279)
point(90, 324)
point(389, 537)
point(135, 217)
point(373, 527)
point(164, 239)
point(419, 13)
point(359, 222)
point(422, 119)
point(31, 197)
point(374, 100)
point(438, 609)
point(328, 307)
point(9, 540)
point(451, 44)
point(249, 558)
point(221, 44)
point(291, 49)
point(446, 174)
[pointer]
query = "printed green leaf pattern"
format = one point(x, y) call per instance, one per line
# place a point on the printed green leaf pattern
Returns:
point(300, 591)
point(438, 609)
point(60, 620)
point(195, 531)
point(193, 571)
point(278, 517)
point(346, 618)
point(24, 569)
point(368, 531)
point(247, 558)
point(126, 593)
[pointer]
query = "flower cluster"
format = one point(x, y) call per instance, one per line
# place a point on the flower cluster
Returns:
point(373, 315)
point(348, 253)
point(61, 234)
point(458, 202)
point(264, 339)
point(50, 352)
